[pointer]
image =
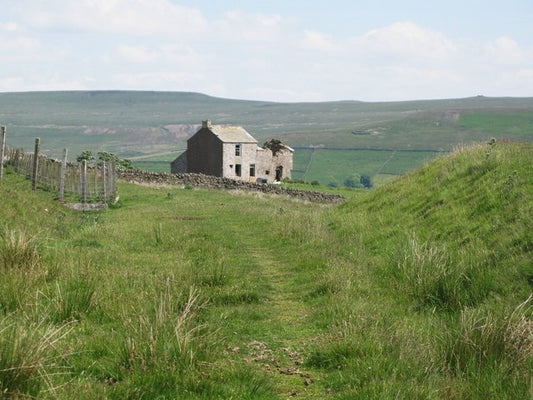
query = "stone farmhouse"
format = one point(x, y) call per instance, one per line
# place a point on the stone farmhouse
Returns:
point(231, 152)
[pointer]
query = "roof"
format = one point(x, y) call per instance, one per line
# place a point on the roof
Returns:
point(232, 134)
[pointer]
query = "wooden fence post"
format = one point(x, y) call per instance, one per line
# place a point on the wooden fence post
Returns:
point(62, 172)
point(35, 170)
point(113, 181)
point(84, 182)
point(2, 150)
point(104, 182)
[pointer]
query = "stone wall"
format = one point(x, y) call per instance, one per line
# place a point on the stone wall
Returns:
point(213, 182)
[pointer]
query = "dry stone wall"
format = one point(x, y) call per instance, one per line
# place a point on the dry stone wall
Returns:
point(213, 182)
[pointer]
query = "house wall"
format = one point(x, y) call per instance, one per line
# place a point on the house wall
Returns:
point(283, 158)
point(268, 164)
point(264, 164)
point(179, 165)
point(204, 153)
point(246, 158)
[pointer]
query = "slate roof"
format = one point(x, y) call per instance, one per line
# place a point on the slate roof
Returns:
point(232, 134)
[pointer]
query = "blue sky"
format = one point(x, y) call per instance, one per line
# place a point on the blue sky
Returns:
point(278, 50)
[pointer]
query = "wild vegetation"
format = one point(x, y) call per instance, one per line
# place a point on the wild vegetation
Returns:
point(420, 289)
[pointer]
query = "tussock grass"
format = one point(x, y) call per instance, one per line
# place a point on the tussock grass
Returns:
point(165, 337)
point(30, 357)
point(71, 300)
point(436, 276)
point(19, 249)
point(504, 339)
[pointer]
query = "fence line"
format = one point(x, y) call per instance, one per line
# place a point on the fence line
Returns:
point(2, 149)
point(95, 183)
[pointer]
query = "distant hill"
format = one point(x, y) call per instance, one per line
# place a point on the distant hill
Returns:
point(331, 138)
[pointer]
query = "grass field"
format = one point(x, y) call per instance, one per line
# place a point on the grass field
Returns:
point(418, 289)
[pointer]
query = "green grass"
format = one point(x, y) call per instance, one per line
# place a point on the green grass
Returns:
point(518, 124)
point(418, 289)
point(336, 166)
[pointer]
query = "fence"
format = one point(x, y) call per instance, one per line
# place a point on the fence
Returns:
point(73, 181)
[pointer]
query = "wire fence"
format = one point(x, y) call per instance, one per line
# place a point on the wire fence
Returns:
point(75, 182)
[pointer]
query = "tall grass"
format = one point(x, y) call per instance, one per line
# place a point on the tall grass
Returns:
point(487, 337)
point(437, 276)
point(71, 300)
point(30, 357)
point(18, 249)
point(167, 337)
point(20, 259)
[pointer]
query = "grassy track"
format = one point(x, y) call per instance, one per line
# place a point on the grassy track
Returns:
point(420, 289)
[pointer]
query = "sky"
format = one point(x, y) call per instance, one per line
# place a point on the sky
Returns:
point(273, 50)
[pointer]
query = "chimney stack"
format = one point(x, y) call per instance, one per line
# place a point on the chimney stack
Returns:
point(206, 124)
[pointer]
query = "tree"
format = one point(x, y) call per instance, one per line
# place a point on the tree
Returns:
point(365, 181)
point(85, 155)
point(106, 156)
point(120, 162)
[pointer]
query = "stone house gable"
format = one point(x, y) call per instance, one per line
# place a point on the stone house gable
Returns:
point(231, 152)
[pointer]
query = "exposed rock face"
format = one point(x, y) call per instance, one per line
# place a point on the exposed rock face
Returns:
point(213, 182)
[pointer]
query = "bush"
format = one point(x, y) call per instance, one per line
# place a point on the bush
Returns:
point(366, 181)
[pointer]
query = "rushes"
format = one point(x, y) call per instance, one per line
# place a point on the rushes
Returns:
point(29, 357)
point(18, 250)
point(483, 338)
point(72, 300)
point(166, 339)
point(440, 277)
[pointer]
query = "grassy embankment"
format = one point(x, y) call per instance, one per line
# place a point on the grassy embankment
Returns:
point(416, 290)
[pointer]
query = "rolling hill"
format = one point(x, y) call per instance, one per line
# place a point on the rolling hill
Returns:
point(334, 140)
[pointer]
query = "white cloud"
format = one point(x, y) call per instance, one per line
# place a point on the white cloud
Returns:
point(318, 41)
point(505, 51)
point(189, 81)
point(164, 56)
point(404, 41)
point(132, 17)
point(237, 25)
point(137, 54)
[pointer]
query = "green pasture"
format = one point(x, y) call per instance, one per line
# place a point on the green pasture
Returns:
point(335, 166)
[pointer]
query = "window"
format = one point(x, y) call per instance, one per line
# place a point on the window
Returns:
point(238, 149)
point(267, 172)
point(238, 169)
point(252, 170)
